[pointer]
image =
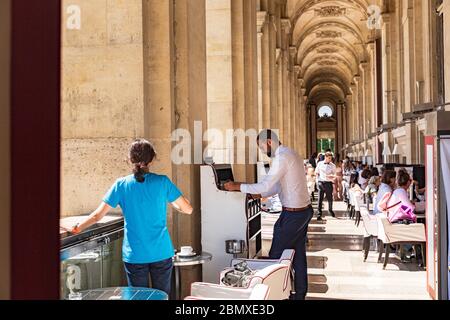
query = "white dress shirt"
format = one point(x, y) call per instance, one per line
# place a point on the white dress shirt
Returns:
point(286, 177)
point(324, 170)
point(382, 190)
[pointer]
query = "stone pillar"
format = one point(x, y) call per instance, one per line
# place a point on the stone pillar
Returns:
point(191, 106)
point(388, 69)
point(345, 122)
point(219, 75)
point(263, 73)
point(273, 76)
point(339, 129)
point(446, 13)
point(295, 102)
point(293, 72)
point(313, 121)
point(244, 77)
point(373, 88)
point(367, 105)
point(349, 100)
point(232, 77)
point(280, 93)
point(408, 58)
point(308, 127)
point(391, 76)
point(102, 100)
point(304, 128)
point(251, 78)
point(358, 107)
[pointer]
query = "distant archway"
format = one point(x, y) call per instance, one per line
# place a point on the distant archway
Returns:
point(325, 111)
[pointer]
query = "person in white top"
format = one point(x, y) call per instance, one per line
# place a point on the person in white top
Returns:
point(326, 173)
point(286, 177)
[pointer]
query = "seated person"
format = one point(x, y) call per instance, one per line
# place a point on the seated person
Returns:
point(364, 178)
point(400, 195)
point(372, 188)
point(311, 180)
point(388, 183)
point(354, 185)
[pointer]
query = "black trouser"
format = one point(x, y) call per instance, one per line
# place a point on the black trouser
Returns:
point(290, 232)
point(325, 188)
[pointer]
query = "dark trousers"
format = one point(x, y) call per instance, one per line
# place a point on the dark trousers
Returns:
point(290, 232)
point(160, 274)
point(325, 188)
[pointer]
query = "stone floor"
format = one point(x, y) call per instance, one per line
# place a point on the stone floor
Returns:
point(336, 269)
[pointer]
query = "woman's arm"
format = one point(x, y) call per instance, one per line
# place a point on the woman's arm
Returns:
point(183, 205)
point(93, 218)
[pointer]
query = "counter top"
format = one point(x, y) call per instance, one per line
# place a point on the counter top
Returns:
point(67, 223)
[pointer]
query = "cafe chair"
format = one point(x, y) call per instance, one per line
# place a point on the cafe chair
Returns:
point(370, 224)
point(399, 234)
point(209, 291)
point(355, 203)
point(274, 273)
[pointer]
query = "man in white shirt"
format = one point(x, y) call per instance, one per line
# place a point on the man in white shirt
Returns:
point(286, 178)
point(326, 173)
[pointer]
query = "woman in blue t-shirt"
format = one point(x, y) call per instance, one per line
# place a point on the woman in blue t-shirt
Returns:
point(143, 196)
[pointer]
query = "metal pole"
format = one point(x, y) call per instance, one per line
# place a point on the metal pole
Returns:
point(177, 283)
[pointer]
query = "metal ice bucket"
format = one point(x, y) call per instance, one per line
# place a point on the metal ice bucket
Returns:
point(235, 246)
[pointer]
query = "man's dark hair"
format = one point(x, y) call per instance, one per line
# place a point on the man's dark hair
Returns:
point(267, 134)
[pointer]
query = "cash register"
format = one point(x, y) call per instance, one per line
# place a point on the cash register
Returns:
point(226, 216)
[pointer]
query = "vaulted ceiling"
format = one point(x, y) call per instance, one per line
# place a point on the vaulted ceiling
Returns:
point(331, 37)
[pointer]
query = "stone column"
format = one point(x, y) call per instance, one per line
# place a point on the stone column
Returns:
point(345, 122)
point(251, 78)
point(263, 73)
point(273, 76)
point(280, 93)
point(293, 72)
point(244, 77)
point(191, 106)
point(340, 124)
point(390, 74)
point(102, 100)
point(308, 127)
point(367, 106)
point(219, 75)
point(446, 13)
point(358, 107)
point(295, 102)
point(408, 59)
point(372, 79)
point(388, 70)
point(313, 121)
point(351, 112)
point(304, 128)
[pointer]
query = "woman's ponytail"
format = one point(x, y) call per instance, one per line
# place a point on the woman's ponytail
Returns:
point(142, 154)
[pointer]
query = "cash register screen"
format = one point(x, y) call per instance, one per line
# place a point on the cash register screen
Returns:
point(224, 175)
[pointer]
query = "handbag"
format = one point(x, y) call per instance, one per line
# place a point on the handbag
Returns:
point(403, 214)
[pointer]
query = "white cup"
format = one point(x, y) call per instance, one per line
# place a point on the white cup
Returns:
point(185, 251)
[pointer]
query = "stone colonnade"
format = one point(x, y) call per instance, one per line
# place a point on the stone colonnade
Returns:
point(144, 68)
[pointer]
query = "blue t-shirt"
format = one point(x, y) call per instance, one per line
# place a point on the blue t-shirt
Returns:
point(144, 207)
